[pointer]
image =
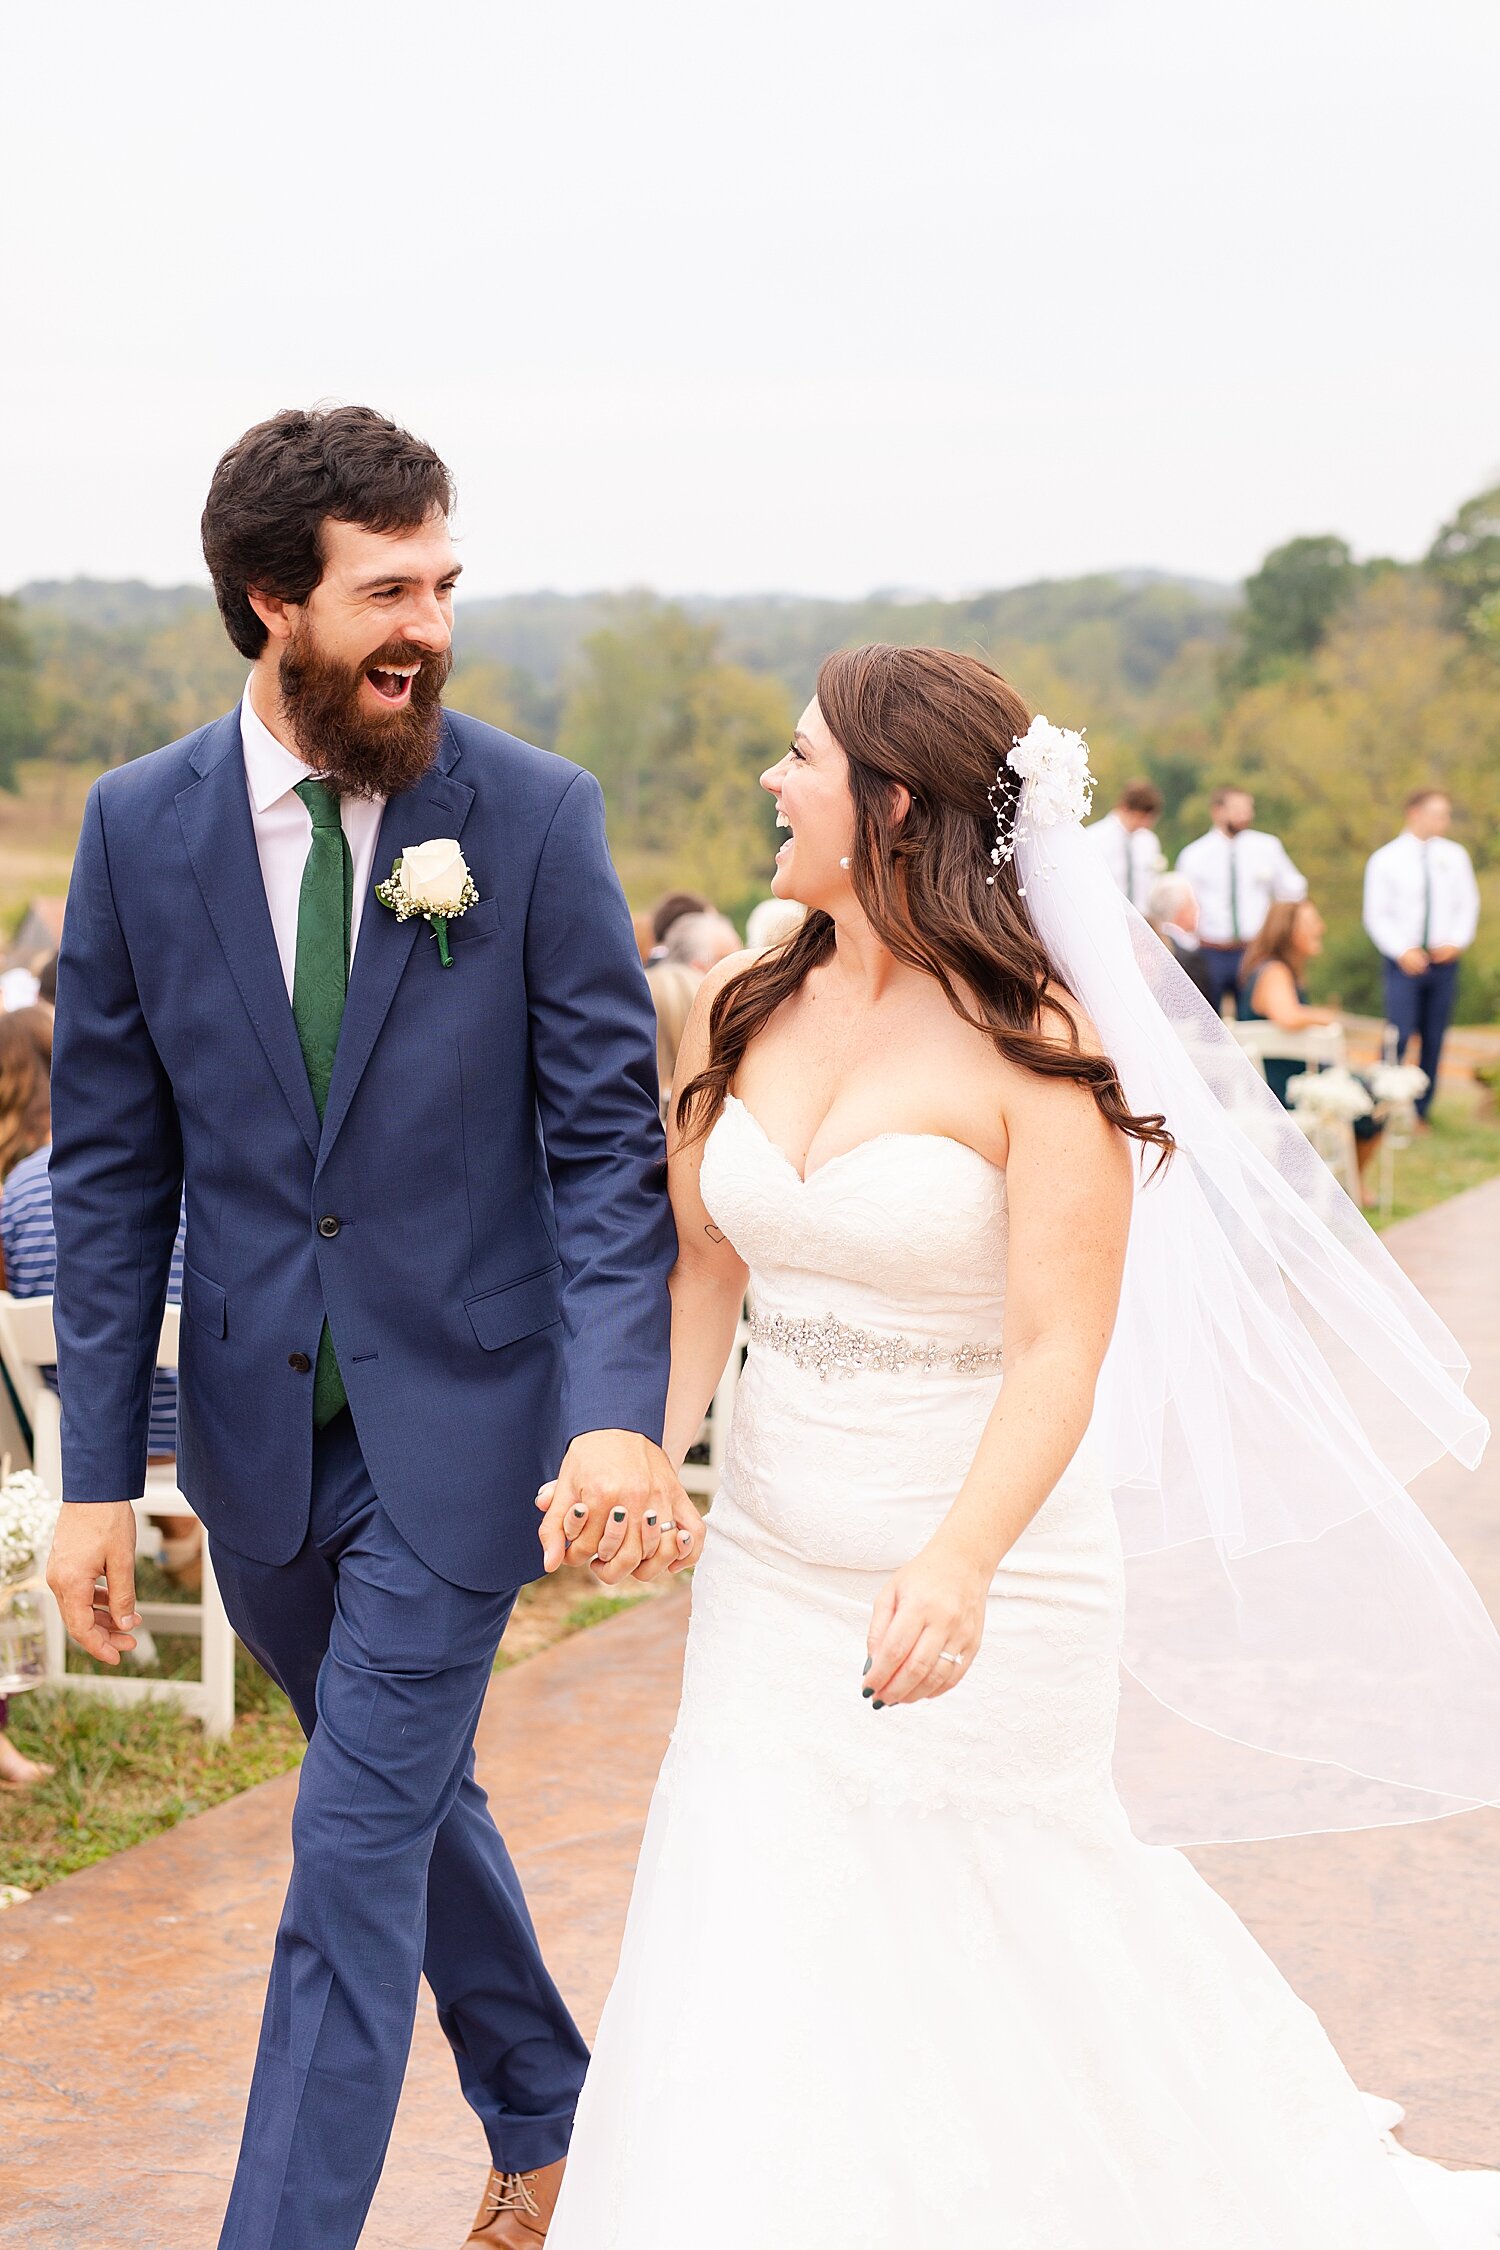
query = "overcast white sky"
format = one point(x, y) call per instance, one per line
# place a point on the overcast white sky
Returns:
point(813, 294)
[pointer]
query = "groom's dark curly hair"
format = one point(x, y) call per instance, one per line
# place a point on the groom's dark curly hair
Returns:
point(275, 487)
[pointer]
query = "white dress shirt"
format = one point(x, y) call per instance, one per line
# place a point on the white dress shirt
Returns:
point(1235, 879)
point(1420, 893)
point(283, 832)
point(1133, 855)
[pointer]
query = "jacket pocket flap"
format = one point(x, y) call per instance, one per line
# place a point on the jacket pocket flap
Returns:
point(204, 1301)
point(519, 1309)
point(476, 921)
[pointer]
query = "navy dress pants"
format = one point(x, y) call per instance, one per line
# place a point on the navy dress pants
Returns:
point(1421, 1008)
point(1222, 963)
point(398, 1869)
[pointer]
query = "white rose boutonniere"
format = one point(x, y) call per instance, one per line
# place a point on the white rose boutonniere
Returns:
point(431, 879)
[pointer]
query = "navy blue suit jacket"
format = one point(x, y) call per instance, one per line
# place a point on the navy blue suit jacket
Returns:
point(482, 1215)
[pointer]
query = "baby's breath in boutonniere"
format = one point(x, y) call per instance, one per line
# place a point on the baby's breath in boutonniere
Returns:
point(431, 879)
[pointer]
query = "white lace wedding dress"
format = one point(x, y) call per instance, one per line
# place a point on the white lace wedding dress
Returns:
point(904, 1980)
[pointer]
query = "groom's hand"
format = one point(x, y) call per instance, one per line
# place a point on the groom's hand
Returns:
point(93, 1543)
point(609, 1506)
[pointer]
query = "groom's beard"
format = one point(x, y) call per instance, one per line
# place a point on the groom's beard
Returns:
point(362, 753)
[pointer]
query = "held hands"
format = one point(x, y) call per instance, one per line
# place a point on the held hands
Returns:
point(91, 1570)
point(931, 1612)
point(1413, 961)
point(616, 1506)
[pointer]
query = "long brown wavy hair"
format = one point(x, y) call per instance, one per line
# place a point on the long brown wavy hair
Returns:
point(24, 1109)
point(942, 725)
point(1277, 941)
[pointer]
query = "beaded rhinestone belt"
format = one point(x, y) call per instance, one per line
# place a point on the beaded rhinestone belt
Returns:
point(832, 1347)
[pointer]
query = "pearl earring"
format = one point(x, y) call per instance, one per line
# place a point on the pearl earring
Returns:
point(843, 863)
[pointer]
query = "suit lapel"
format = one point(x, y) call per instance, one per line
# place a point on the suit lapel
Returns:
point(220, 838)
point(438, 806)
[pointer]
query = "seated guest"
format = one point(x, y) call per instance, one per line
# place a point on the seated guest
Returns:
point(1172, 911)
point(670, 908)
point(28, 1268)
point(37, 1023)
point(1272, 990)
point(24, 1126)
point(673, 990)
point(16, 1771)
point(25, 1113)
point(701, 941)
point(19, 987)
point(772, 922)
point(645, 935)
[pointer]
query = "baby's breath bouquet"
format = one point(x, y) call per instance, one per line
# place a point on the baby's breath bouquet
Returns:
point(1398, 1083)
point(1330, 1094)
point(27, 1514)
point(26, 1517)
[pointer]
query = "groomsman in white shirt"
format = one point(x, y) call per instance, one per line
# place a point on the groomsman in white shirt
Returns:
point(1127, 837)
point(1421, 911)
point(1236, 870)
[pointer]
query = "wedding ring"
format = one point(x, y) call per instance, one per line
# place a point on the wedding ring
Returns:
point(667, 1528)
point(947, 1658)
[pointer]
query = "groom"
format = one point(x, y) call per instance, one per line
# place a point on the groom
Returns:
point(426, 1260)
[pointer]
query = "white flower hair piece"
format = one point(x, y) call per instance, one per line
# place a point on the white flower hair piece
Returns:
point(1056, 786)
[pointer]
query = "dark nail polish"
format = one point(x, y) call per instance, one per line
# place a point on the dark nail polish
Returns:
point(869, 1660)
point(877, 1705)
point(867, 1692)
point(617, 1515)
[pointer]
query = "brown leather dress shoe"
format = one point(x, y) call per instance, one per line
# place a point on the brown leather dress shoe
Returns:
point(517, 2209)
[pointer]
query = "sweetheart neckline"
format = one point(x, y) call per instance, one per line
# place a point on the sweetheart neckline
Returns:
point(872, 1140)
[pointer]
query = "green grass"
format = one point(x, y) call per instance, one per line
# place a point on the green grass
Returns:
point(593, 1610)
point(1461, 1151)
point(126, 1772)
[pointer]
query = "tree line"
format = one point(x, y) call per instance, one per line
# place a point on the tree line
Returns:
point(1328, 686)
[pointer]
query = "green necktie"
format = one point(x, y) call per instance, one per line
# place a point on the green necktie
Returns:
point(320, 981)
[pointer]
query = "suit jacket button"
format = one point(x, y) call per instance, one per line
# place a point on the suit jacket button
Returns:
point(300, 1363)
point(328, 1227)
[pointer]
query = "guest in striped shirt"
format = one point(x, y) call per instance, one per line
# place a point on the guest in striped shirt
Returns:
point(25, 1055)
point(29, 1248)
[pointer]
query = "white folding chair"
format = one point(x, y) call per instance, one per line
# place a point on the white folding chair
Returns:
point(1321, 1046)
point(701, 1478)
point(27, 1345)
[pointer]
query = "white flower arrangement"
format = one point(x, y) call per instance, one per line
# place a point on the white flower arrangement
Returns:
point(1052, 765)
point(27, 1514)
point(431, 879)
point(1331, 1094)
point(1401, 1083)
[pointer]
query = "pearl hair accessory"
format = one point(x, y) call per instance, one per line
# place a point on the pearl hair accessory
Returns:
point(1052, 764)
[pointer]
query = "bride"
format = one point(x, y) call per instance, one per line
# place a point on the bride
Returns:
point(898, 1972)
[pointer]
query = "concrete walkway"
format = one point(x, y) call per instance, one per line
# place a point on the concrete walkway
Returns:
point(130, 1994)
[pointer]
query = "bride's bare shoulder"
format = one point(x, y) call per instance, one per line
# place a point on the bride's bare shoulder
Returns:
point(721, 974)
point(1065, 1021)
